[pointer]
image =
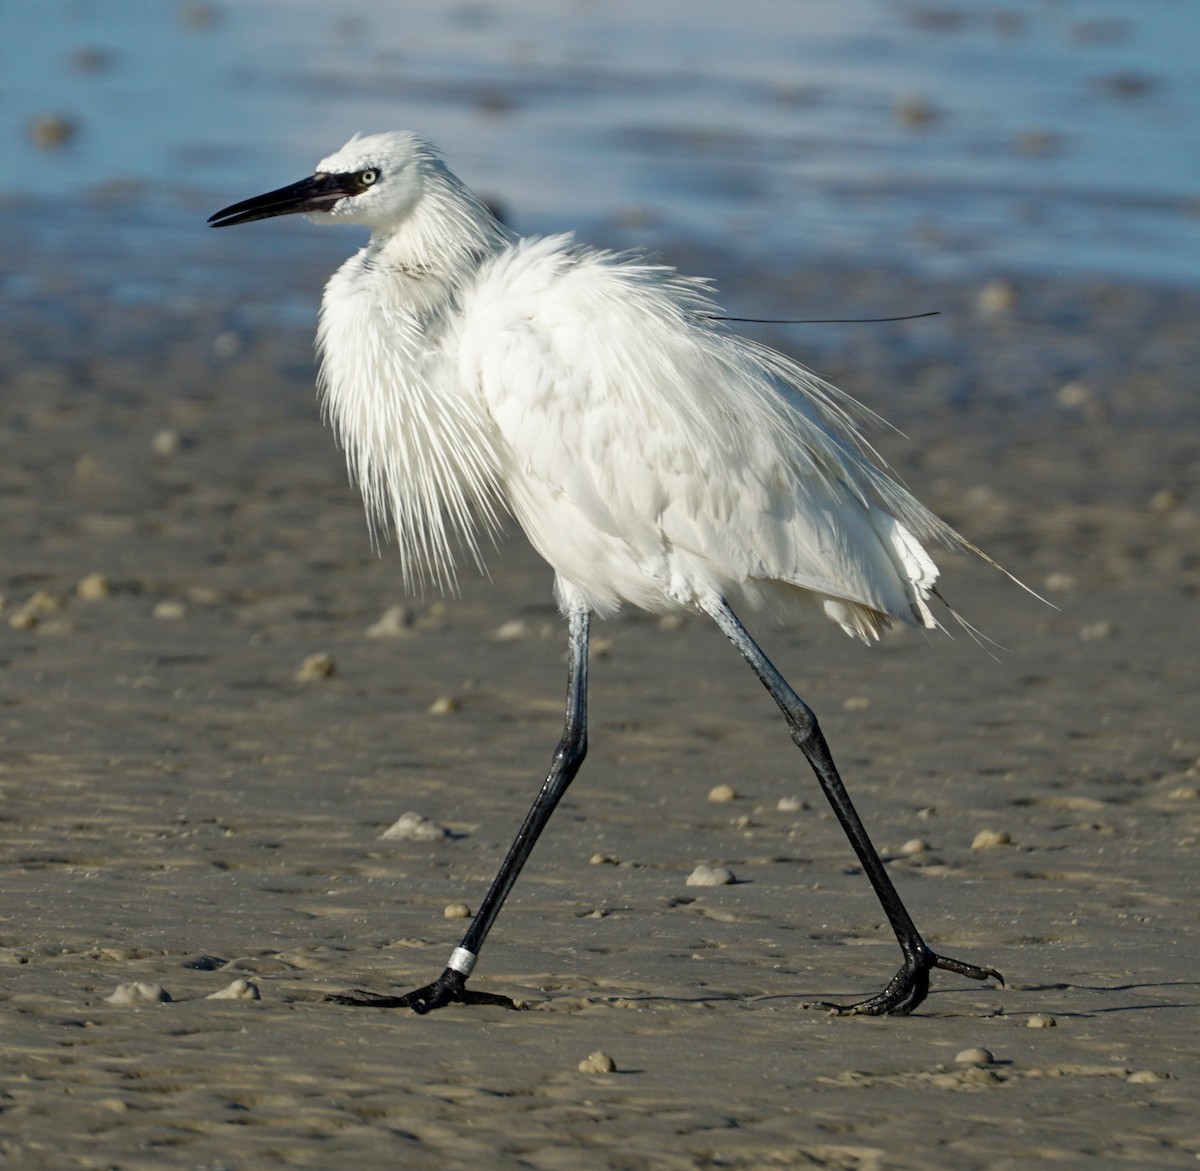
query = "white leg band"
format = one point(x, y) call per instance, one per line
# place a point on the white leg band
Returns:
point(462, 961)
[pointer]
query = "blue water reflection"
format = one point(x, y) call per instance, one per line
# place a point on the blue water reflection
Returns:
point(964, 137)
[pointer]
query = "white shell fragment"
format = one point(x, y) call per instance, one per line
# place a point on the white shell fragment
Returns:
point(394, 622)
point(414, 827)
point(1144, 1077)
point(989, 839)
point(166, 442)
point(93, 587)
point(239, 990)
point(976, 1055)
point(318, 666)
point(722, 793)
point(598, 1062)
point(711, 876)
point(30, 613)
point(138, 992)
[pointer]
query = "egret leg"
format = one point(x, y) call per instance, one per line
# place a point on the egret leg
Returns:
point(910, 985)
point(450, 986)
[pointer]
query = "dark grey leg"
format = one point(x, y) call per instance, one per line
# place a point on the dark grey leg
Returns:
point(910, 985)
point(450, 986)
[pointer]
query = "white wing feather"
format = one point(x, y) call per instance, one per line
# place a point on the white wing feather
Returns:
point(653, 457)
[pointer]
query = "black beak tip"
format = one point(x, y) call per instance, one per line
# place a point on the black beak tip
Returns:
point(226, 217)
point(316, 193)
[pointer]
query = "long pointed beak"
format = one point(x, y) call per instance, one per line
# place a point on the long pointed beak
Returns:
point(318, 192)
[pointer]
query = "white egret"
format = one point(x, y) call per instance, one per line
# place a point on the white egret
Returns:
point(652, 457)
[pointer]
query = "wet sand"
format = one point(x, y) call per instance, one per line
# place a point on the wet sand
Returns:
point(178, 808)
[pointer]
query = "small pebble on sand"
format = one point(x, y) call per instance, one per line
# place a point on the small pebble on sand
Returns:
point(598, 1062)
point(599, 859)
point(93, 587)
point(445, 705)
point(1040, 1020)
point(414, 827)
point(990, 839)
point(457, 911)
point(166, 442)
point(318, 666)
point(138, 992)
point(170, 610)
point(1059, 582)
point(1164, 500)
point(227, 345)
point(1144, 1077)
point(856, 703)
point(239, 990)
point(512, 630)
point(35, 607)
point(44, 602)
point(791, 805)
point(711, 876)
point(1074, 395)
point(914, 846)
point(394, 622)
point(975, 1055)
point(722, 793)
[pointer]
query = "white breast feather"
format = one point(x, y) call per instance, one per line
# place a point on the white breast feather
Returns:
point(419, 447)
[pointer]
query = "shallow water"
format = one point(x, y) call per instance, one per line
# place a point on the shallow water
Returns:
point(957, 138)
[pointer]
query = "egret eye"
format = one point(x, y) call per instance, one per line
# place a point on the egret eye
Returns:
point(367, 177)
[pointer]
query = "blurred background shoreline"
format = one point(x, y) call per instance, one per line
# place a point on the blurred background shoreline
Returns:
point(962, 141)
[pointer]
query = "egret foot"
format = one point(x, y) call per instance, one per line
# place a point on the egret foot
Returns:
point(909, 986)
point(449, 988)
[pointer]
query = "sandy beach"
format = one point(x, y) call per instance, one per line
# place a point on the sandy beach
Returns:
point(180, 809)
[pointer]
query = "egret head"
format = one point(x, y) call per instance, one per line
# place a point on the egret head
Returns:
point(375, 179)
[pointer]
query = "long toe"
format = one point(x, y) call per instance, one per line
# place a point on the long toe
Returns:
point(908, 987)
point(443, 991)
point(964, 969)
point(361, 998)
